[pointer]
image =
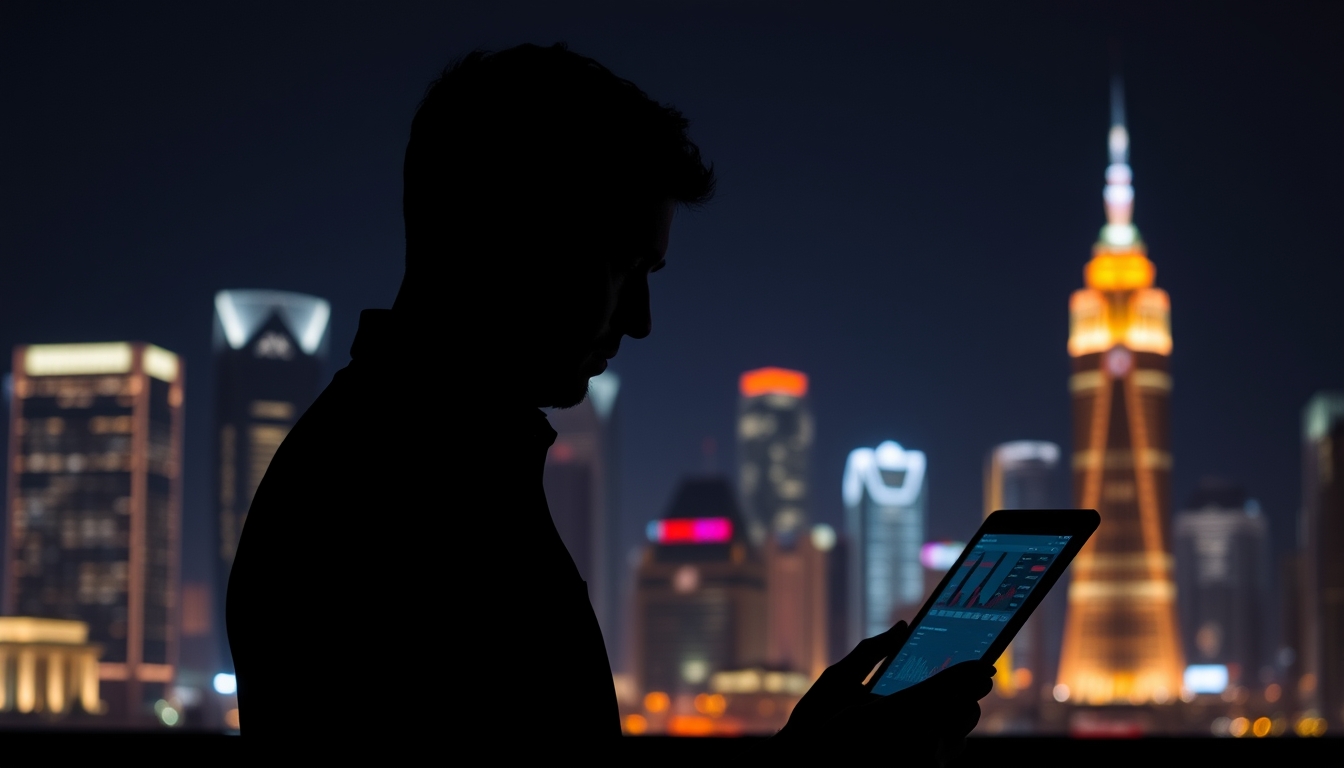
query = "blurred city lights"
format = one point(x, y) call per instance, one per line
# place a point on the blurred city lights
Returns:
point(225, 684)
point(823, 537)
point(940, 555)
point(635, 724)
point(773, 381)
point(656, 701)
point(1206, 678)
point(700, 530)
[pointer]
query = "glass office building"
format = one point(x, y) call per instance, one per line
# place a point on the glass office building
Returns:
point(269, 348)
point(1221, 544)
point(885, 493)
point(94, 507)
point(774, 440)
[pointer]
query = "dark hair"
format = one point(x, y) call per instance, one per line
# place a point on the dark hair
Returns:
point(509, 144)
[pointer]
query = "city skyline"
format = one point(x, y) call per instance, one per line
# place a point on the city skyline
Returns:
point(852, 201)
point(909, 252)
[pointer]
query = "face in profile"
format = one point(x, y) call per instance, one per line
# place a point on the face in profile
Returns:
point(605, 300)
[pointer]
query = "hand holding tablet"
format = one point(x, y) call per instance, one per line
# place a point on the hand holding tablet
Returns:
point(906, 707)
point(986, 597)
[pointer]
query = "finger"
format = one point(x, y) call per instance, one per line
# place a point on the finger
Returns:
point(860, 661)
point(866, 655)
point(964, 682)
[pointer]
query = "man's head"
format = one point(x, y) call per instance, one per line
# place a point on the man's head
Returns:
point(539, 189)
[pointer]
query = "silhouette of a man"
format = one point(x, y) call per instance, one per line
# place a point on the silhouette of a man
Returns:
point(400, 589)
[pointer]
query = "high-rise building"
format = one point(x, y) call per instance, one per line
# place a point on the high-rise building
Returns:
point(94, 506)
point(269, 348)
point(1121, 641)
point(1221, 544)
point(774, 439)
point(1022, 475)
point(885, 492)
point(1322, 544)
point(700, 592)
point(580, 480)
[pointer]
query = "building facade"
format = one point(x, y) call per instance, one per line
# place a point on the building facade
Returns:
point(1022, 474)
point(51, 669)
point(774, 442)
point(1221, 544)
point(269, 348)
point(699, 594)
point(1322, 543)
point(885, 493)
point(581, 491)
point(1121, 640)
point(94, 506)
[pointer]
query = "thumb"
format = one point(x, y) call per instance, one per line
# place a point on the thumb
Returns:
point(869, 652)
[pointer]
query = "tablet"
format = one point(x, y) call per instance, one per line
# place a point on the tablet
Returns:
point(986, 597)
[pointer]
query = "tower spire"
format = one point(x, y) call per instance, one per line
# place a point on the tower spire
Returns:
point(1119, 191)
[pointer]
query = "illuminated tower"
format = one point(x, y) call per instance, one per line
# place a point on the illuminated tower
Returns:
point(884, 494)
point(580, 485)
point(94, 506)
point(774, 438)
point(1121, 643)
point(268, 348)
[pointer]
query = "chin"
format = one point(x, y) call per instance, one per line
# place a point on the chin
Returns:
point(570, 394)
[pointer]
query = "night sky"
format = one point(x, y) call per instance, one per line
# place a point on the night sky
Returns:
point(906, 201)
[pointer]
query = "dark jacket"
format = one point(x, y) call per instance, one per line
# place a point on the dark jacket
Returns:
point(400, 586)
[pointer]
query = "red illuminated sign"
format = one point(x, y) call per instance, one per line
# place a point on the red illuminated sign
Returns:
point(691, 530)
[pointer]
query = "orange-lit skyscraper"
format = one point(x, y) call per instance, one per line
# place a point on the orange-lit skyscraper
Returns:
point(1121, 641)
point(94, 506)
point(774, 440)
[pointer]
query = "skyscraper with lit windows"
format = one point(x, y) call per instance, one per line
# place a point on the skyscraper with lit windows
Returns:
point(1121, 641)
point(774, 440)
point(700, 592)
point(885, 492)
point(1221, 543)
point(269, 348)
point(269, 351)
point(94, 506)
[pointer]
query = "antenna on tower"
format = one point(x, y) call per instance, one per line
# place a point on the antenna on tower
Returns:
point(1117, 99)
point(1119, 192)
point(1119, 135)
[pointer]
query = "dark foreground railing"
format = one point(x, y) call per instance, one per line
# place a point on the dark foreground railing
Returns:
point(53, 748)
